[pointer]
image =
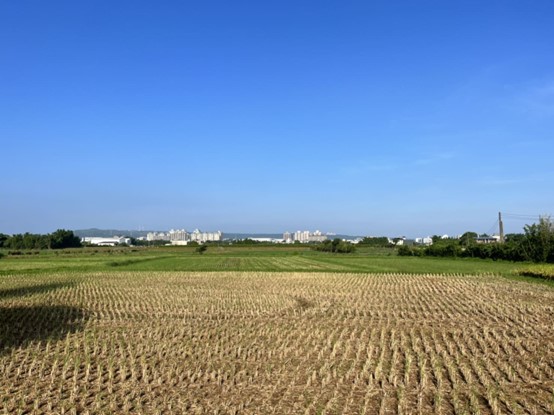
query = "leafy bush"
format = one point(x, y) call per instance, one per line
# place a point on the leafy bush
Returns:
point(405, 250)
point(336, 246)
point(443, 250)
point(201, 249)
point(377, 241)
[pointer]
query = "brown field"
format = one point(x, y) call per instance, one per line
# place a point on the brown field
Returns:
point(274, 343)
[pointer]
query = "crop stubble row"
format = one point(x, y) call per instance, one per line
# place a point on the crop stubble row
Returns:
point(167, 342)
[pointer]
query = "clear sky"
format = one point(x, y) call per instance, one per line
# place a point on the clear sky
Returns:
point(360, 117)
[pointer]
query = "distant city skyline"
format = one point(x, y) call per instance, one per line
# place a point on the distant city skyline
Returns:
point(364, 118)
point(118, 231)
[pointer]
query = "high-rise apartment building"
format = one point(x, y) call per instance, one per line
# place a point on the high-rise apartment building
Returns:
point(181, 235)
point(304, 237)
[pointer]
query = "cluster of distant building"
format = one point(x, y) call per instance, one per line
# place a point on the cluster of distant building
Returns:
point(424, 241)
point(102, 241)
point(428, 240)
point(174, 237)
point(182, 237)
point(303, 237)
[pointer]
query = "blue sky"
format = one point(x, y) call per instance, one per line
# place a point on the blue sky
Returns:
point(371, 118)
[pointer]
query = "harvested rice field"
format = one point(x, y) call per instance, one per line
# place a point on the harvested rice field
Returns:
point(138, 342)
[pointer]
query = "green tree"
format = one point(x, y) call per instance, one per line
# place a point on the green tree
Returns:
point(64, 239)
point(14, 242)
point(514, 238)
point(378, 241)
point(468, 238)
point(335, 246)
point(3, 238)
point(538, 243)
point(436, 238)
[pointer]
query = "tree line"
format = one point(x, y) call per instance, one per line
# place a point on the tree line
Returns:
point(56, 240)
point(376, 241)
point(336, 246)
point(536, 244)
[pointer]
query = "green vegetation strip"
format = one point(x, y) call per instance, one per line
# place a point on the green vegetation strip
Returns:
point(256, 259)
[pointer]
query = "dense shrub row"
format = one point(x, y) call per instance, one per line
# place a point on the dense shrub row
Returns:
point(536, 245)
point(376, 241)
point(509, 252)
point(336, 246)
point(57, 240)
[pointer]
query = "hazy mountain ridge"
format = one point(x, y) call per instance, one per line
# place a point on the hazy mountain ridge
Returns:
point(106, 233)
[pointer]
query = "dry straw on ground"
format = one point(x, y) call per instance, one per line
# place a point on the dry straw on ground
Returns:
point(262, 343)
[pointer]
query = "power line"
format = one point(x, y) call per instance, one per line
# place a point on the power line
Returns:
point(520, 216)
point(493, 228)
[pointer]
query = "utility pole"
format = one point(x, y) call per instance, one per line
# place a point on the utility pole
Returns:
point(500, 227)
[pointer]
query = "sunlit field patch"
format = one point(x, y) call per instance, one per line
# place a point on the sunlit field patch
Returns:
point(258, 342)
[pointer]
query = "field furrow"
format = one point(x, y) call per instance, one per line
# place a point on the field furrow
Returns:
point(140, 342)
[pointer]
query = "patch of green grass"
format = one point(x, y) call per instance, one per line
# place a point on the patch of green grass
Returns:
point(229, 258)
point(255, 258)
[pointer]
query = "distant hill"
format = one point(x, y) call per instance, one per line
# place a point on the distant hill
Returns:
point(106, 233)
point(276, 236)
point(234, 235)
